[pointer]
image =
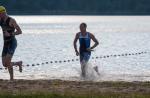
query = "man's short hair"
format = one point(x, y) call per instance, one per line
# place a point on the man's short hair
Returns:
point(83, 24)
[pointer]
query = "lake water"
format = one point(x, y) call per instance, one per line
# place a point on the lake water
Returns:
point(50, 38)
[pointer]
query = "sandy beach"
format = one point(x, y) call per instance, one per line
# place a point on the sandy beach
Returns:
point(73, 87)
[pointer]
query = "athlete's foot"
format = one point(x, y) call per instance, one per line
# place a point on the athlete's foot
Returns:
point(20, 66)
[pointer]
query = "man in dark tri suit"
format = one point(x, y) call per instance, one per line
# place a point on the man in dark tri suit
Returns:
point(9, 28)
point(85, 48)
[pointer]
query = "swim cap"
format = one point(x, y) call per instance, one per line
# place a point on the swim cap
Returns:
point(2, 9)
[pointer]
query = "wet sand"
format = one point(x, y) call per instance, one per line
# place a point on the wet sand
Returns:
point(73, 87)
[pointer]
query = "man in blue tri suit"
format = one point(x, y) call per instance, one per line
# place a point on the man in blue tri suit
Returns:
point(9, 28)
point(85, 48)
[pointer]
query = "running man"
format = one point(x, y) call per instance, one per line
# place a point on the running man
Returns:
point(85, 48)
point(9, 28)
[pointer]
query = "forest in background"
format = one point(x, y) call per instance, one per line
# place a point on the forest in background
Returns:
point(77, 7)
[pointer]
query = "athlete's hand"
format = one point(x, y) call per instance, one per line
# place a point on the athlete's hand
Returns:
point(77, 53)
point(89, 49)
point(17, 33)
point(6, 34)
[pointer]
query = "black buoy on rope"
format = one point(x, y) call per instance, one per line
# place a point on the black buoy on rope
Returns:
point(100, 57)
point(60, 61)
point(55, 61)
point(96, 57)
point(104, 56)
point(122, 55)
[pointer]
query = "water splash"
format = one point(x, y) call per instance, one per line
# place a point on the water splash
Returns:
point(91, 72)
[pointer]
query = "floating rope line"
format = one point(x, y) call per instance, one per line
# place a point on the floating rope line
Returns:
point(73, 60)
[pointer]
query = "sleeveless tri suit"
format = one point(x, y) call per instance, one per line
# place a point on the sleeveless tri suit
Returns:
point(10, 43)
point(84, 42)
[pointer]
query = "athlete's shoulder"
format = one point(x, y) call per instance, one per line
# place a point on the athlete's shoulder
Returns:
point(13, 21)
point(11, 18)
point(78, 33)
point(91, 34)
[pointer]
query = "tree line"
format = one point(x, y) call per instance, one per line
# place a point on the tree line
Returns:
point(77, 7)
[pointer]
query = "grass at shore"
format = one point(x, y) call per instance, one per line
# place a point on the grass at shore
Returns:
point(105, 95)
point(73, 89)
point(68, 95)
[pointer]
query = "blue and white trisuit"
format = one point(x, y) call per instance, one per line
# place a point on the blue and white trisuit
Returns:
point(84, 42)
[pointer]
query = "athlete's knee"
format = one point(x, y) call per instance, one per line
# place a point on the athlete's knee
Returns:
point(6, 62)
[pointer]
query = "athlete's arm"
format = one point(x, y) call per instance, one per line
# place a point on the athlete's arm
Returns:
point(75, 43)
point(95, 40)
point(6, 34)
point(14, 24)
